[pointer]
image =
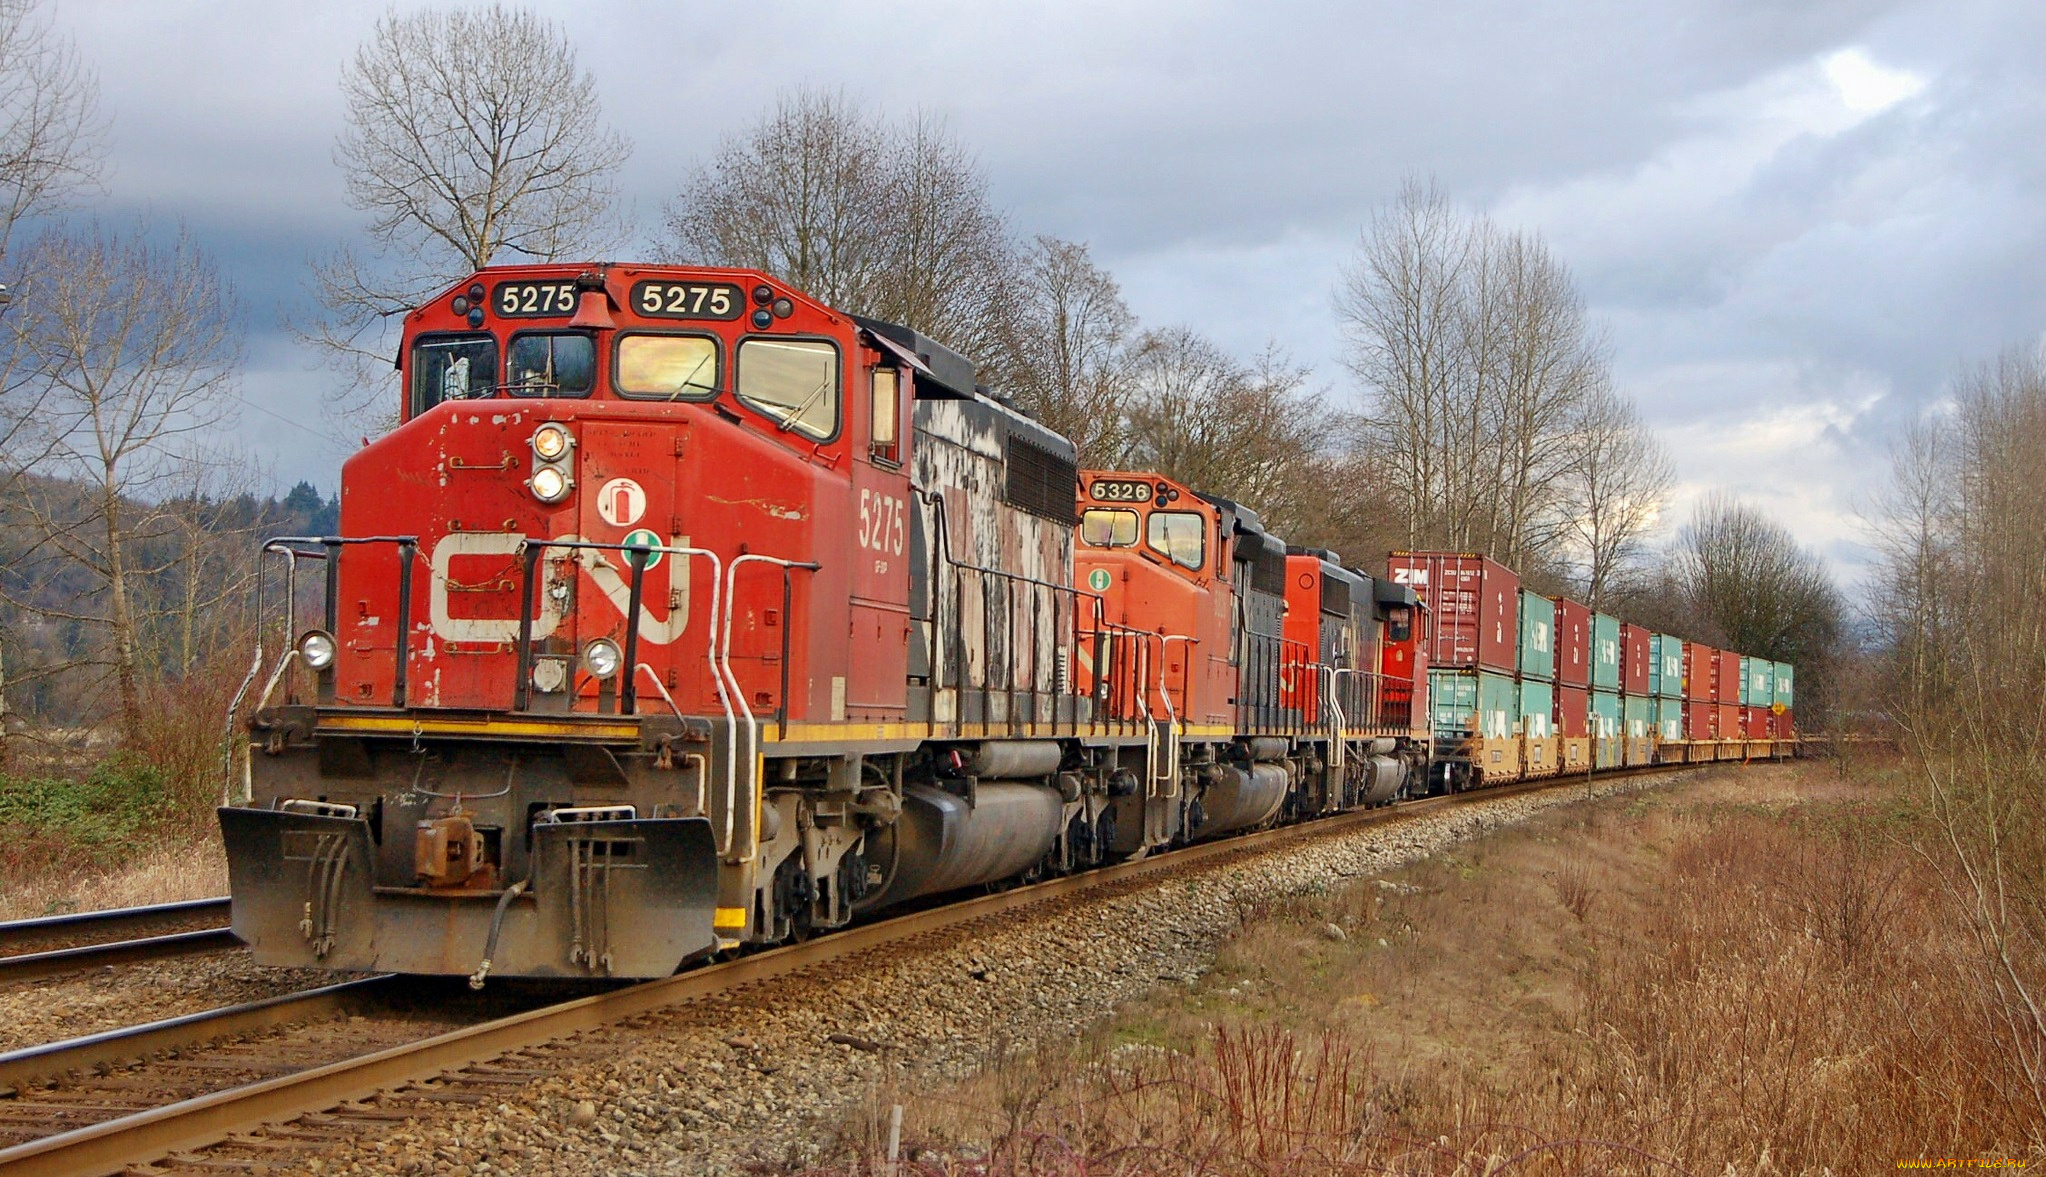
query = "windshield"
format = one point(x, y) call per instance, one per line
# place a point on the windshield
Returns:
point(1104, 527)
point(452, 367)
point(1179, 535)
point(792, 380)
point(667, 367)
point(553, 363)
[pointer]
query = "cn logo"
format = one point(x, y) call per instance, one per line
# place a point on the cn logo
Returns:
point(621, 502)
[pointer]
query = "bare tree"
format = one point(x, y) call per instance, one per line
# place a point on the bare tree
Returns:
point(51, 135)
point(797, 195)
point(132, 349)
point(1960, 600)
point(1763, 594)
point(1619, 479)
point(1399, 304)
point(472, 137)
point(1485, 379)
point(889, 221)
point(1245, 431)
point(1534, 364)
point(1066, 355)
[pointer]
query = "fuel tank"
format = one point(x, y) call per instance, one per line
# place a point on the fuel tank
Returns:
point(1383, 776)
point(941, 842)
point(1234, 798)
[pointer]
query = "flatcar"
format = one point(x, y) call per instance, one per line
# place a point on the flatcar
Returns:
point(683, 613)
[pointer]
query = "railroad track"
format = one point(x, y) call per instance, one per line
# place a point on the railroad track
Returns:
point(68, 943)
point(442, 1068)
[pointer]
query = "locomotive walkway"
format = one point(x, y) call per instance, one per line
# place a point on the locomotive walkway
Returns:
point(478, 1063)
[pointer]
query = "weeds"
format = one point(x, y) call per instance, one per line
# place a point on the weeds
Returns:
point(1744, 979)
point(1573, 886)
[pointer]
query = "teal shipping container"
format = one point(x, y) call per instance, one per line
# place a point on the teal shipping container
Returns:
point(1746, 696)
point(1605, 652)
point(1782, 684)
point(1540, 751)
point(1537, 707)
point(1668, 672)
point(1472, 703)
point(1761, 676)
point(1669, 717)
point(1608, 747)
point(1537, 651)
point(1638, 713)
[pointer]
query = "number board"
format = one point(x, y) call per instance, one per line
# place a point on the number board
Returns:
point(1121, 490)
point(534, 300)
point(688, 300)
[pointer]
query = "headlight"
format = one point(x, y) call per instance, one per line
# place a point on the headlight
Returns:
point(549, 484)
point(550, 441)
point(602, 658)
point(316, 649)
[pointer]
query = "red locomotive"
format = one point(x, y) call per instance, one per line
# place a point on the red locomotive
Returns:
point(682, 612)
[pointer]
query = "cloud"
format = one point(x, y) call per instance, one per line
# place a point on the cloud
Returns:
point(1866, 87)
point(1780, 211)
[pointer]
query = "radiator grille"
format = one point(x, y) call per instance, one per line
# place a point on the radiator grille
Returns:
point(1042, 482)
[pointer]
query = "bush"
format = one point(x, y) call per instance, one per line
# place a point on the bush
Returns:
point(125, 802)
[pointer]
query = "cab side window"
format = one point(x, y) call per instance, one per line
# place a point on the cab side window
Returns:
point(884, 440)
point(452, 368)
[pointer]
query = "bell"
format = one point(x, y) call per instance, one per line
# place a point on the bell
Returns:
point(593, 310)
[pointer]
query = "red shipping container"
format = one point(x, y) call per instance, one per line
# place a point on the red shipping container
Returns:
point(1729, 723)
point(1634, 660)
point(1726, 668)
point(1698, 720)
point(1573, 643)
point(1785, 728)
point(1573, 712)
point(1758, 723)
point(1473, 608)
point(1701, 680)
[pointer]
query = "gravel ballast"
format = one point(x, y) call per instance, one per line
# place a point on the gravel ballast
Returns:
point(757, 1076)
point(110, 997)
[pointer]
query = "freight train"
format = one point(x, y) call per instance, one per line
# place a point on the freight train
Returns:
point(682, 614)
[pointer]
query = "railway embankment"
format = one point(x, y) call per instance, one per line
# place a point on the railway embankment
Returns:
point(1747, 972)
point(763, 1078)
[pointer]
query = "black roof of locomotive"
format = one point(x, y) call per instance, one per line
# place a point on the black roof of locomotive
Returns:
point(947, 368)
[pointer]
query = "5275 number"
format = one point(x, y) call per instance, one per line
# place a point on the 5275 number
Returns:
point(687, 300)
point(535, 300)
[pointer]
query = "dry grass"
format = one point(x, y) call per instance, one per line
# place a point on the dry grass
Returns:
point(90, 821)
point(1751, 974)
point(160, 874)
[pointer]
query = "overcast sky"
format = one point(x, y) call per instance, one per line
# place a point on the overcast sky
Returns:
point(1796, 218)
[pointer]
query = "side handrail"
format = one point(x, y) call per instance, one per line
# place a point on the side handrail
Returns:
point(1339, 754)
point(1173, 722)
point(745, 709)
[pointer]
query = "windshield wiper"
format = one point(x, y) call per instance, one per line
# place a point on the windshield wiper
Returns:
point(690, 379)
point(788, 420)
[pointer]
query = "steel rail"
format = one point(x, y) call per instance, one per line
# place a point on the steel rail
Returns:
point(112, 918)
point(32, 965)
point(109, 1048)
point(115, 1145)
